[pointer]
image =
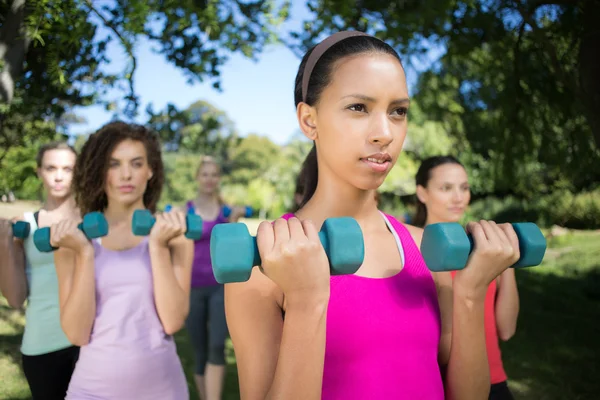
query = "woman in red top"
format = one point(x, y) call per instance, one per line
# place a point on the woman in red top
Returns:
point(442, 196)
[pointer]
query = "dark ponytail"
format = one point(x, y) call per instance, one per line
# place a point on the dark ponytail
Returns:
point(309, 174)
point(422, 179)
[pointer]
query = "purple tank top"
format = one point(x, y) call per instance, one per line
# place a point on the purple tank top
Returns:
point(383, 333)
point(129, 355)
point(202, 273)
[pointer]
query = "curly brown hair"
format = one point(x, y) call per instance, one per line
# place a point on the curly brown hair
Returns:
point(92, 165)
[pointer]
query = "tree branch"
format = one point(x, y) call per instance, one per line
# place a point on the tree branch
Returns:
point(128, 49)
point(550, 49)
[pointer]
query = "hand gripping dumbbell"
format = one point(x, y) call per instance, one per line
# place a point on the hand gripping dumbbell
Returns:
point(143, 221)
point(227, 211)
point(94, 225)
point(21, 229)
point(446, 246)
point(234, 251)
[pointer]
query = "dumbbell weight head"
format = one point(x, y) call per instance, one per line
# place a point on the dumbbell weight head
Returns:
point(21, 229)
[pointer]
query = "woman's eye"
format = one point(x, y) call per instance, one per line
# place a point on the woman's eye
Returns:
point(357, 107)
point(402, 111)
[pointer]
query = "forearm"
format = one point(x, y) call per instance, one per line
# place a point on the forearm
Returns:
point(13, 282)
point(507, 305)
point(171, 300)
point(299, 371)
point(78, 312)
point(467, 375)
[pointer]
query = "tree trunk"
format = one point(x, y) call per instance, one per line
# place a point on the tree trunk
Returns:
point(589, 62)
point(13, 47)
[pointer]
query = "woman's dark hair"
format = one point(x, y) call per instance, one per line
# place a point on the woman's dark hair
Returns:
point(300, 188)
point(39, 158)
point(422, 179)
point(321, 78)
point(92, 165)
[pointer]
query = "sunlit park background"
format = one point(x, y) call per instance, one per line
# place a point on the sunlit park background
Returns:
point(509, 87)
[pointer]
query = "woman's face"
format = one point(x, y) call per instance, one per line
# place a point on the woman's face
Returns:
point(128, 173)
point(361, 120)
point(209, 178)
point(56, 172)
point(447, 194)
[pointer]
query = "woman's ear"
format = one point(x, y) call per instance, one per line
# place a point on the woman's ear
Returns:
point(307, 117)
point(422, 194)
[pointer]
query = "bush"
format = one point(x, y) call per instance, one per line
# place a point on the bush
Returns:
point(575, 211)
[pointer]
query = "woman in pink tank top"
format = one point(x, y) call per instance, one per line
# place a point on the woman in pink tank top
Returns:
point(443, 195)
point(122, 297)
point(393, 330)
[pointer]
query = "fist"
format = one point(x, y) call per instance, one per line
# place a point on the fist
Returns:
point(66, 234)
point(496, 248)
point(293, 257)
point(167, 227)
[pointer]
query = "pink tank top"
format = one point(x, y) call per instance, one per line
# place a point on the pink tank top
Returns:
point(383, 333)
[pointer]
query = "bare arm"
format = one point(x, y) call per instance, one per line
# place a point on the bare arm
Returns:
point(171, 270)
point(467, 374)
point(13, 282)
point(462, 352)
point(77, 293)
point(507, 305)
point(275, 359)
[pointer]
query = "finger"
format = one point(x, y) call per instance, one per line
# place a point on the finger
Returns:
point(501, 235)
point(265, 238)
point(310, 230)
point(181, 218)
point(491, 233)
point(478, 234)
point(512, 237)
point(281, 230)
point(296, 230)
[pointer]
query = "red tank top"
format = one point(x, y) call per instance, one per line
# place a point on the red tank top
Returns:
point(497, 373)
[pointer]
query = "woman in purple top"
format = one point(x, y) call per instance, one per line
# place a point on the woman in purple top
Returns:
point(122, 297)
point(206, 322)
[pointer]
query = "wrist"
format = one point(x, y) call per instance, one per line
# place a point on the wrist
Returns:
point(86, 251)
point(467, 294)
point(307, 303)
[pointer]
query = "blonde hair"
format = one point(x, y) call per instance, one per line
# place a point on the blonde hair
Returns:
point(209, 160)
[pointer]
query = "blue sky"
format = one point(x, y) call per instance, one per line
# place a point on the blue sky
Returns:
point(257, 96)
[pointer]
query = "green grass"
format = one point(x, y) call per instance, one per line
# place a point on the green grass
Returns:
point(553, 356)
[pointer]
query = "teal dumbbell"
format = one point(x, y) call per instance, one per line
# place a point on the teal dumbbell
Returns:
point(234, 251)
point(446, 246)
point(21, 229)
point(227, 211)
point(94, 225)
point(143, 221)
